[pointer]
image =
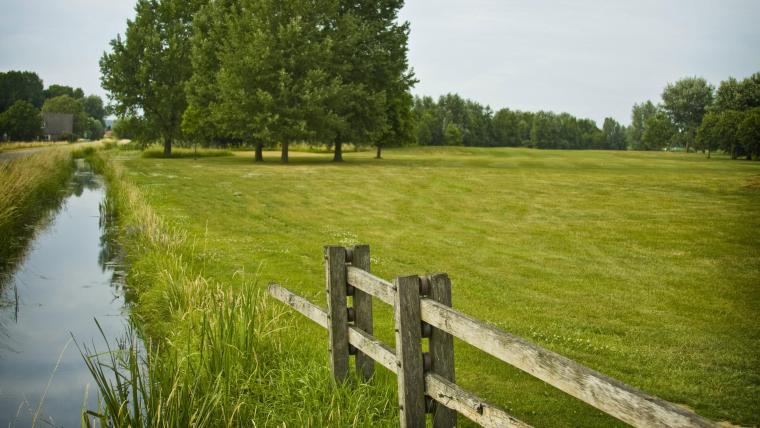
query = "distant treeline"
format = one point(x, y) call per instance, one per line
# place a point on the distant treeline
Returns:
point(454, 121)
point(691, 115)
point(23, 99)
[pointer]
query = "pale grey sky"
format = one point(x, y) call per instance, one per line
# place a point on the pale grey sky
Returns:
point(589, 58)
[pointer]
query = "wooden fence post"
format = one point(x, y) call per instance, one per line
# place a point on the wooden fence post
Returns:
point(411, 381)
point(442, 350)
point(337, 312)
point(365, 366)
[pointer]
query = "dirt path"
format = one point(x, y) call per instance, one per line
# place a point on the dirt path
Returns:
point(15, 154)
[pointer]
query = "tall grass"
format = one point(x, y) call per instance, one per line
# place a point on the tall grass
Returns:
point(30, 145)
point(29, 187)
point(216, 354)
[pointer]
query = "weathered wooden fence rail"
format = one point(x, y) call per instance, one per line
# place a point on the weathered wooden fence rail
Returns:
point(426, 383)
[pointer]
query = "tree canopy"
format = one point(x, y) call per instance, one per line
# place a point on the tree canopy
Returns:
point(686, 102)
point(20, 85)
point(21, 121)
point(145, 73)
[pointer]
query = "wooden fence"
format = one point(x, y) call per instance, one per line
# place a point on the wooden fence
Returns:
point(422, 310)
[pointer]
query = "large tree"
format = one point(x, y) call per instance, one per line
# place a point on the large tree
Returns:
point(20, 85)
point(686, 102)
point(727, 131)
point(21, 121)
point(640, 114)
point(659, 132)
point(203, 121)
point(708, 135)
point(274, 79)
point(748, 133)
point(614, 134)
point(399, 130)
point(146, 71)
point(371, 105)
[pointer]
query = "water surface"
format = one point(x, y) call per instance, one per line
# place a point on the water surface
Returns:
point(65, 281)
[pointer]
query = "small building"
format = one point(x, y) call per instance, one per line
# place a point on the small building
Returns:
point(57, 126)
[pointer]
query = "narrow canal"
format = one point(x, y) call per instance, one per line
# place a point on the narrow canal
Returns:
point(66, 280)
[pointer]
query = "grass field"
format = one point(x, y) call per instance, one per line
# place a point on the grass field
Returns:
point(644, 266)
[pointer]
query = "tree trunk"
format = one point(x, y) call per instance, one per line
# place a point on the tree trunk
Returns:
point(687, 146)
point(749, 155)
point(259, 152)
point(338, 157)
point(167, 147)
point(733, 152)
point(379, 152)
point(284, 155)
point(708, 153)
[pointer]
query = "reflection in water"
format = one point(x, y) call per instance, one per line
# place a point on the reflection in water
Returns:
point(69, 276)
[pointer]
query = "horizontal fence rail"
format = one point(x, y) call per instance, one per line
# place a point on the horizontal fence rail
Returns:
point(422, 310)
point(441, 390)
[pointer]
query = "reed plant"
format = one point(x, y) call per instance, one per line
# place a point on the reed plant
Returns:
point(29, 188)
point(214, 353)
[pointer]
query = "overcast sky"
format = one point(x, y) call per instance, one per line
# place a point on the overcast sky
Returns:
point(589, 58)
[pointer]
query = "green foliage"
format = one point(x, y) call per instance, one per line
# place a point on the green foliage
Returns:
point(453, 120)
point(545, 132)
point(274, 80)
point(659, 132)
point(505, 128)
point(686, 102)
point(738, 96)
point(93, 106)
point(202, 121)
point(67, 104)
point(330, 72)
point(370, 59)
point(129, 128)
point(728, 96)
point(54, 91)
point(21, 122)
point(640, 114)
point(708, 135)
point(20, 86)
point(614, 135)
point(472, 120)
point(748, 132)
point(452, 135)
point(95, 129)
point(145, 73)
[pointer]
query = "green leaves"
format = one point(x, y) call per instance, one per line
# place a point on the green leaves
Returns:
point(145, 73)
point(21, 121)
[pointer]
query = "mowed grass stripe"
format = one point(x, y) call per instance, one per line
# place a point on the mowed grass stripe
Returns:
point(643, 266)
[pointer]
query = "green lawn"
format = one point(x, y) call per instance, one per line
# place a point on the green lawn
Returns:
point(644, 266)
